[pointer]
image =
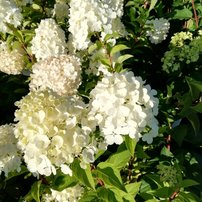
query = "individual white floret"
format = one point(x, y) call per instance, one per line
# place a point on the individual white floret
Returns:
point(158, 30)
point(49, 40)
point(10, 157)
point(11, 62)
point(62, 74)
point(9, 13)
point(48, 131)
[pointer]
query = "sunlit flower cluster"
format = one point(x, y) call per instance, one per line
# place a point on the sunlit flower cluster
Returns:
point(93, 16)
point(121, 104)
point(11, 62)
point(49, 40)
point(48, 131)
point(10, 159)
point(62, 74)
point(71, 194)
point(158, 30)
point(9, 13)
point(179, 38)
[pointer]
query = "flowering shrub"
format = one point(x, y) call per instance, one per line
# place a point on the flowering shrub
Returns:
point(100, 100)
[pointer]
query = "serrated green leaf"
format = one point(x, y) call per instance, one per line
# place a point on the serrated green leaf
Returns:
point(109, 175)
point(120, 158)
point(183, 14)
point(188, 183)
point(118, 48)
point(35, 191)
point(83, 175)
point(130, 145)
point(122, 58)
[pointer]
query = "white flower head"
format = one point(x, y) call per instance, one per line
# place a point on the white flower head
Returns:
point(61, 74)
point(72, 194)
point(12, 61)
point(120, 104)
point(49, 40)
point(47, 131)
point(93, 16)
point(10, 158)
point(9, 13)
point(158, 30)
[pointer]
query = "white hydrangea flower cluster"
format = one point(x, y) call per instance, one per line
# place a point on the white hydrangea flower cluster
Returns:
point(62, 74)
point(158, 30)
point(11, 62)
point(120, 104)
point(48, 131)
point(89, 16)
point(49, 40)
point(10, 158)
point(71, 194)
point(179, 38)
point(9, 13)
point(60, 10)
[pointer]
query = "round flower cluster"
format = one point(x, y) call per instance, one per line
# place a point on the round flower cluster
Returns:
point(49, 40)
point(179, 38)
point(48, 131)
point(11, 61)
point(10, 159)
point(120, 104)
point(93, 16)
point(158, 29)
point(62, 74)
point(9, 13)
point(71, 194)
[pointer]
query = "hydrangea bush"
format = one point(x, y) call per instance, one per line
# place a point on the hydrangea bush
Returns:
point(100, 100)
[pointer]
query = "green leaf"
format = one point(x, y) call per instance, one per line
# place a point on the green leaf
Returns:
point(89, 196)
point(83, 175)
point(195, 87)
point(105, 61)
point(130, 145)
point(198, 107)
point(35, 191)
point(133, 188)
point(164, 192)
point(92, 48)
point(120, 158)
point(141, 153)
point(179, 133)
point(166, 152)
point(152, 4)
point(182, 14)
point(62, 181)
point(109, 175)
point(122, 58)
point(118, 48)
point(195, 122)
point(106, 194)
point(188, 183)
